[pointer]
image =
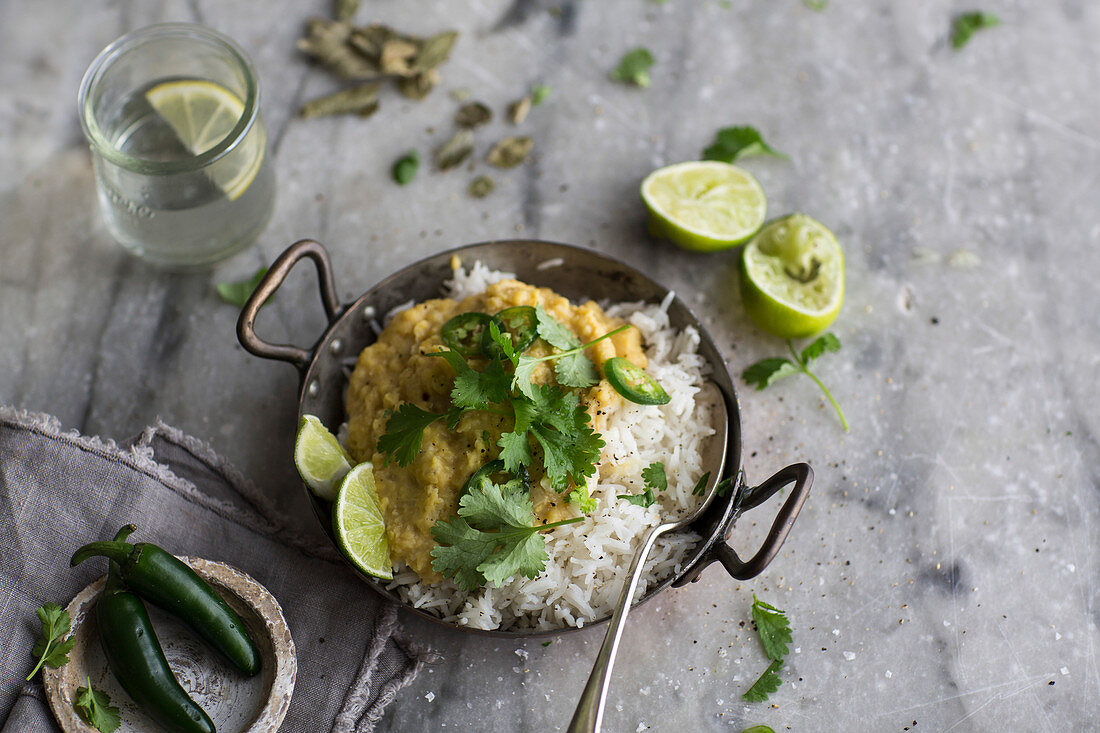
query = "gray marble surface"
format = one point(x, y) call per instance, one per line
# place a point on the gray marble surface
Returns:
point(944, 574)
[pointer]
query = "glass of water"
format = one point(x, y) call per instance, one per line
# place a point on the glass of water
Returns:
point(172, 113)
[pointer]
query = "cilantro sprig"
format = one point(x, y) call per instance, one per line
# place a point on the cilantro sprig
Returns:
point(767, 371)
point(52, 648)
point(733, 143)
point(239, 291)
point(634, 67)
point(654, 479)
point(965, 25)
point(775, 634)
point(96, 709)
point(493, 537)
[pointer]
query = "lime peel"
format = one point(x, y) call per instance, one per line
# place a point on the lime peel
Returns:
point(320, 459)
point(358, 523)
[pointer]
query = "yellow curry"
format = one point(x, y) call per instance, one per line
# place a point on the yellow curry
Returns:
point(396, 369)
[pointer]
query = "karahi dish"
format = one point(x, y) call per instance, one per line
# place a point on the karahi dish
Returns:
point(531, 411)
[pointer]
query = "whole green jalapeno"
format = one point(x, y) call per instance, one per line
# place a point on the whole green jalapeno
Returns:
point(136, 659)
point(165, 581)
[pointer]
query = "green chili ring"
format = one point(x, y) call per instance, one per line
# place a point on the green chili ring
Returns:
point(520, 323)
point(633, 382)
point(464, 332)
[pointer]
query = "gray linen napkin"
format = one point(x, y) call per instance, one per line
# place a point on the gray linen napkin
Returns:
point(59, 490)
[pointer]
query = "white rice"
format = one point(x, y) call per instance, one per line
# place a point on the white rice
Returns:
point(589, 560)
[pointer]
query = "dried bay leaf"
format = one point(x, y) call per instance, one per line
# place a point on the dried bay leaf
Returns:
point(455, 150)
point(473, 114)
point(362, 100)
point(519, 109)
point(345, 9)
point(435, 50)
point(327, 42)
point(510, 152)
point(418, 85)
point(481, 187)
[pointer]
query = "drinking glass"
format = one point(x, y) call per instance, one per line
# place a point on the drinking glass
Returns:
point(182, 170)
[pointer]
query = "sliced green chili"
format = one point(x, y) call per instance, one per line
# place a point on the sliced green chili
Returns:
point(519, 323)
point(633, 382)
point(463, 333)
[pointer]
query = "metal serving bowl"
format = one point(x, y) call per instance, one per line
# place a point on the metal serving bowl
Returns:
point(578, 274)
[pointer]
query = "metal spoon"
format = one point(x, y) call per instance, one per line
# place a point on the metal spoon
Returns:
point(588, 716)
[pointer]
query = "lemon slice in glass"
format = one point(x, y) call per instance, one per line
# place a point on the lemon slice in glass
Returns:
point(320, 459)
point(202, 114)
point(358, 524)
point(704, 205)
point(792, 277)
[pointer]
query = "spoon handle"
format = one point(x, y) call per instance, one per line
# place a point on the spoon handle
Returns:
point(588, 716)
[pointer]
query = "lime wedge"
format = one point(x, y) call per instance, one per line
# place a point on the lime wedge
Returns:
point(792, 277)
point(358, 524)
point(320, 459)
point(704, 205)
point(202, 114)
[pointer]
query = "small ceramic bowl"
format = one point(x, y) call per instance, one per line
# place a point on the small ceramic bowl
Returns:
point(235, 704)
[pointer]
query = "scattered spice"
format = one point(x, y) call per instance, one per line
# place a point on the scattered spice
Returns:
point(361, 100)
point(473, 114)
point(510, 152)
point(455, 150)
point(519, 109)
point(404, 170)
point(481, 187)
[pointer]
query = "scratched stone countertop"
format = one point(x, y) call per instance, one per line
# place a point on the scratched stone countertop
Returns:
point(944, 573)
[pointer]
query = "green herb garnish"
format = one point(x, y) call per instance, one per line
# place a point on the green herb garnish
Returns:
point(732, 143)
point(775, 634)
point(654, 479)
point(701, 485)
point(404, 170)
point(817, 5)
point(492, 538)
point(634, 67)
point(765, 685)
point(238, 292)
point(584, 501)
point(767, 371)
point(539, 93)
point(965, 25)
point(96, 709)
point(52, 649)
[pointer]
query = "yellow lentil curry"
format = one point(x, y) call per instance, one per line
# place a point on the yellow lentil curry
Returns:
point(395, 369)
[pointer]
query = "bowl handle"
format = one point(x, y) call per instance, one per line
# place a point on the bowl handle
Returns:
point(246, 324)
point(802, 476)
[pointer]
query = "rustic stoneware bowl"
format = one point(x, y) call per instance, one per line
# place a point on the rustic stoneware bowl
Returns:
point(234, 703)
point(577, 273)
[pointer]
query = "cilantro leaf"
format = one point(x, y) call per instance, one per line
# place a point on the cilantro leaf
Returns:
point(576, 370)
point(51, 648)
point(503, 341)
point(586, 504)
point(654, 476)
point(521, 379)
point(492, 539)
point(477, 390)
point(823, 344)
point(818, 5)
point(539, 93)
point(561, 426)
point(700, 487)
point(965, 25)
point(404, 433)
point(554, 332)
point(515, 450)
point(767, 683)
point(766, 371)
point(733, 143)
point(724, 486)
point(96, 709)
point(644, 499)
point(773, 627)
point(238, 292)
point(634, 67)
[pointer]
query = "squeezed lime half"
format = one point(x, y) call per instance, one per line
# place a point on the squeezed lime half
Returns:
point(704, 205)
point(792, 277)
